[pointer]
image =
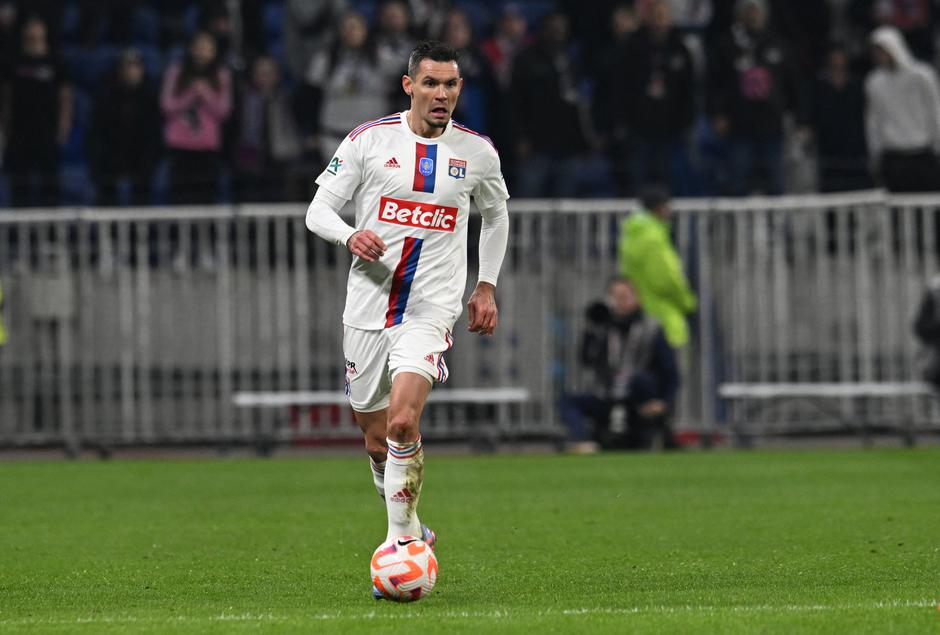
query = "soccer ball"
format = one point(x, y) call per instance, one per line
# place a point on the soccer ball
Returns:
point(404, 569)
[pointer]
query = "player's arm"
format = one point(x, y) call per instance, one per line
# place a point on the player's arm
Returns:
point(323, 219)
point(494, 235)
point(338, 183)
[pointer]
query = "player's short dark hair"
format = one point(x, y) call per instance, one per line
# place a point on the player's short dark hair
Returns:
point(652, 197)
point(431, 50)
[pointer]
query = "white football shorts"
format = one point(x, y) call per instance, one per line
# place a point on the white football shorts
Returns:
point(375, 357)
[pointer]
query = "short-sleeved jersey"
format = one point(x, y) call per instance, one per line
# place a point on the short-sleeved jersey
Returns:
point(415, 194)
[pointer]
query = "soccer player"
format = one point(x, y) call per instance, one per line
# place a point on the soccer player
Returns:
point(410, 176)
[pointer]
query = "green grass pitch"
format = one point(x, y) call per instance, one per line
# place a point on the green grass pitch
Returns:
point(722, 542)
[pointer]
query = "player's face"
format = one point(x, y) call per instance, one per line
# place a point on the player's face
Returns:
point(434, 91)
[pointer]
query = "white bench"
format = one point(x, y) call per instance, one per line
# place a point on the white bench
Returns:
point(278, 399)
point(484, 439)
point(823, 396)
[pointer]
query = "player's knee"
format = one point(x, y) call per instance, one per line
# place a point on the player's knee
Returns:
point(403, 426)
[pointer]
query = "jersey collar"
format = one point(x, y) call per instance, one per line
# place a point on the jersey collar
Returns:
point(445, 135)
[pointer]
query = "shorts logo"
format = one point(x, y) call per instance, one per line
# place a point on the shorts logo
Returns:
point(392, 163)
point(335, 164)
point(426, 166)
point(421, 215)
point(350, 367)
point(457, 169)
point(429, 358)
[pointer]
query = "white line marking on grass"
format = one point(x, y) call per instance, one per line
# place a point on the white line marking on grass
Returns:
point(757, 608)
point(249, 617)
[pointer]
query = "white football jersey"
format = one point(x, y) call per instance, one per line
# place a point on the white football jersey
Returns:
point(414, 193)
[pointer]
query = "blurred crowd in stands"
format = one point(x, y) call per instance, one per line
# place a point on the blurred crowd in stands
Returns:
point(135, 102)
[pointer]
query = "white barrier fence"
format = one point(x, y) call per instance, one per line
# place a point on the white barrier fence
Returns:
point(138, 326)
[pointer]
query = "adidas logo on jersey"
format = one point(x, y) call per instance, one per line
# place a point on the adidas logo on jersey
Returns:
point(403, 496)
point(414, 214)
point(392, 163)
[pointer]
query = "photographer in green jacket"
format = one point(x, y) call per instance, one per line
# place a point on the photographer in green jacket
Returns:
point(649, 259)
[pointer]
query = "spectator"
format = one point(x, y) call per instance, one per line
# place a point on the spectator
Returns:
point(648, 258)
point(623, 24)
point(584, 18)
point(752, 86)
point(9, 33)
point(238, 29)
point(268, 138)
point(124, 135)
point(927, 330)
point(309, 25)
point(477, 78)
point(37, 117)
point(551, 135)
point(805, 25)
point(428, 17)
point(510, 36)
point(838, 121)
point(393, 39)
point(393, 45)
point(902, 116)
point(196, 100)
point(632, 373)
point(344, 86)
point(655, 103)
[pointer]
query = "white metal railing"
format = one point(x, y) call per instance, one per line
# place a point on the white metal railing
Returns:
point(138, 325)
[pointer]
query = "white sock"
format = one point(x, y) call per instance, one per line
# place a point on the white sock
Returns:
point(404, 475)
point(378, 476)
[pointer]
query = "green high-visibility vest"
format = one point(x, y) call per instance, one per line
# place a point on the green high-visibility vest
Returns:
point(648, 258)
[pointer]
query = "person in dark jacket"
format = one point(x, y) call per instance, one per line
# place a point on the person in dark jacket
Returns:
point(268, 138)
point(37, 116)
point(633, 377)
point(124, 140)
point(751, 86)
point(550, 122)
point(838, 122)
point(655, 104)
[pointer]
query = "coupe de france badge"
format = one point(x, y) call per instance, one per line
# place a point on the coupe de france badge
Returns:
point(335, 165)
point(457, 169)
point(426, 166)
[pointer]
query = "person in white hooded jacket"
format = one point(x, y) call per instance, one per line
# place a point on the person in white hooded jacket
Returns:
point(902, 116)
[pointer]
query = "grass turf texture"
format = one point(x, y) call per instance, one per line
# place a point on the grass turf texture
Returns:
point(777, 542)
